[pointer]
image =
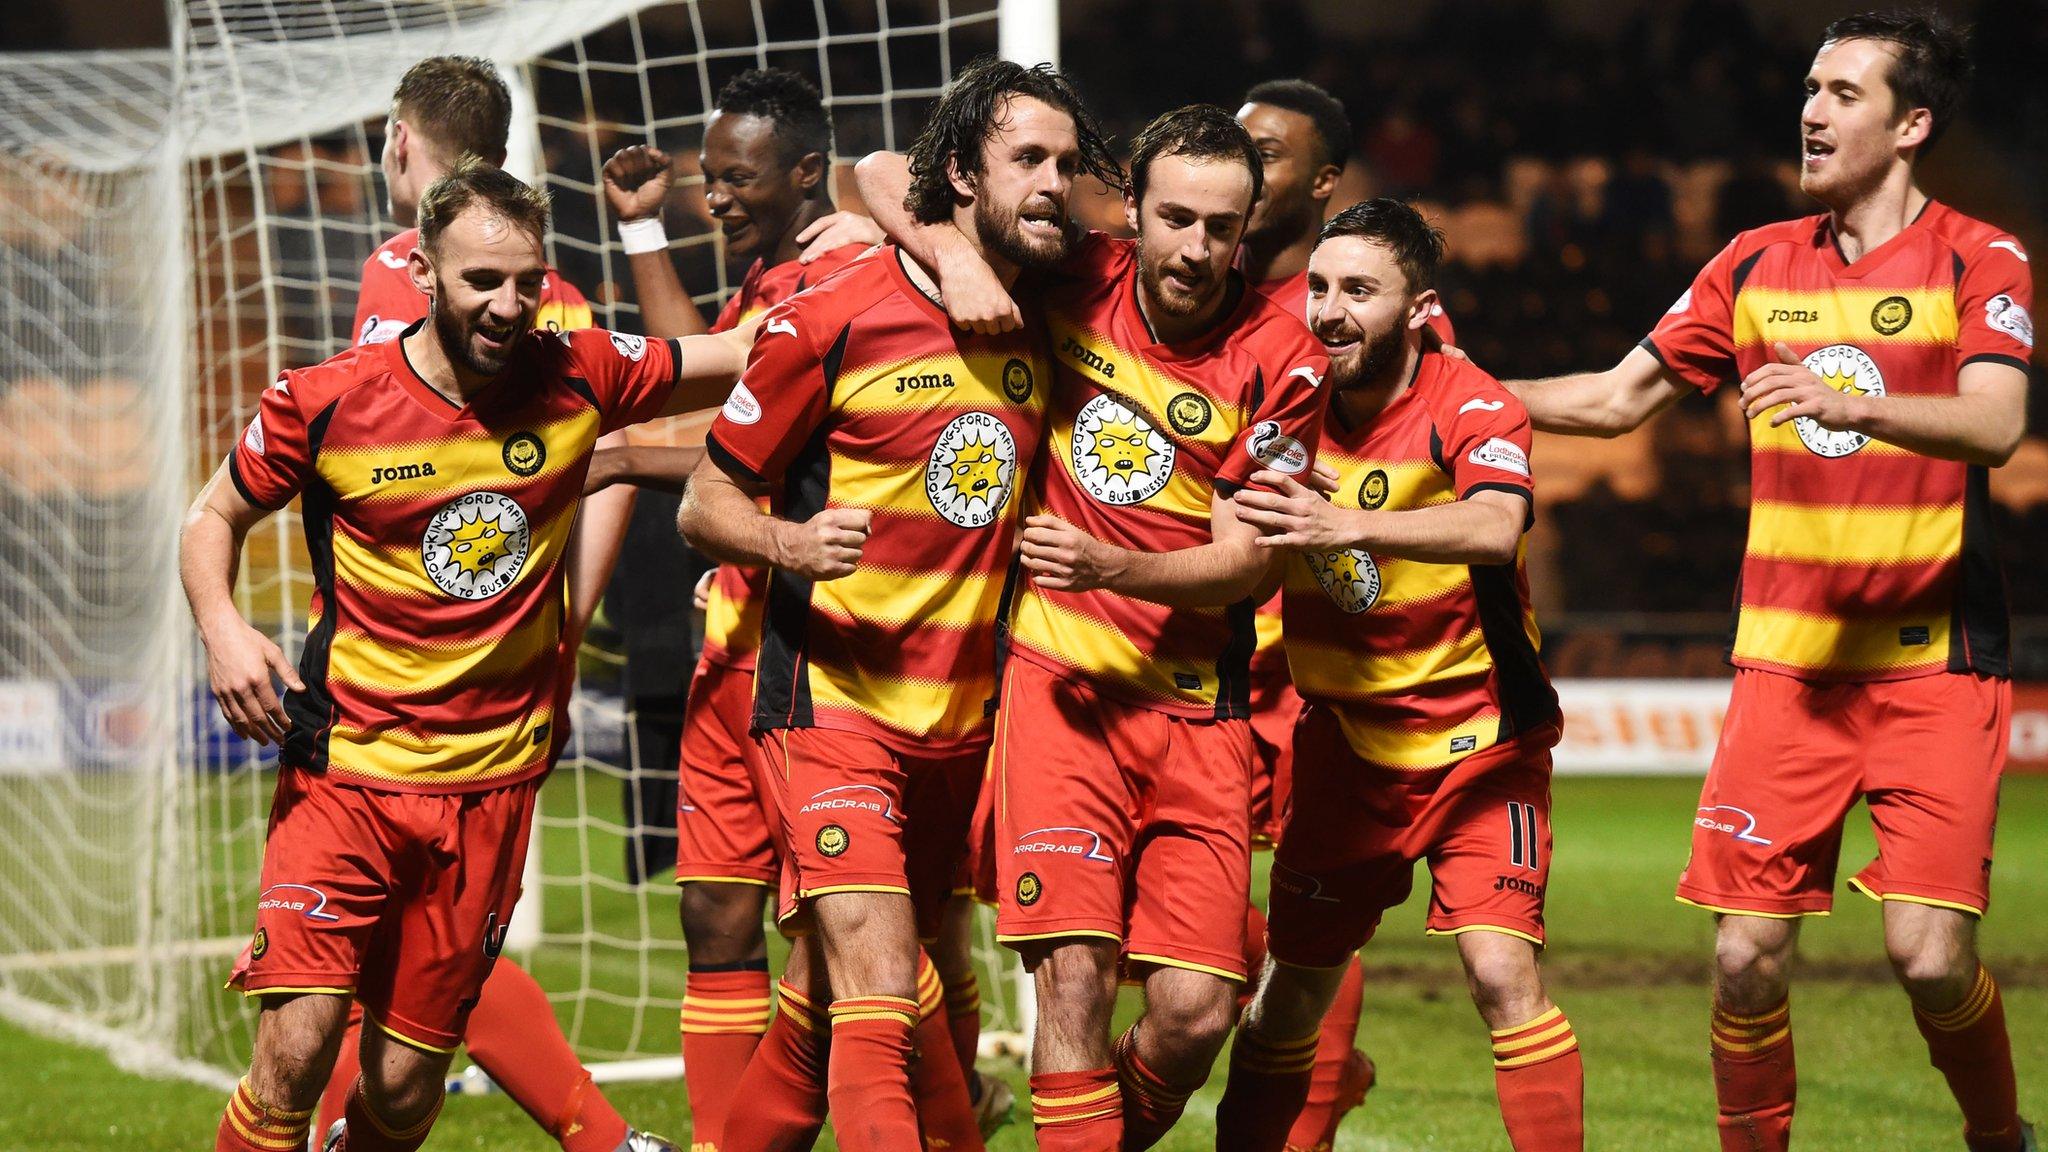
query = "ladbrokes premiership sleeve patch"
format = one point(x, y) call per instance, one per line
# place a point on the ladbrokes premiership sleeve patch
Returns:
point(630, 375)
point(1285, 428)
point(1696, 337)
point(779, 401)
point(270, 462)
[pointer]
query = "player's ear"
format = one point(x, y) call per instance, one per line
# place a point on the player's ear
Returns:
point(1420, 309)
point(1130, 209)
point(419, 268)
point(963, 184)
point(1915, 127)
point(810, 170)
point(400, 143)
point(1324, 185)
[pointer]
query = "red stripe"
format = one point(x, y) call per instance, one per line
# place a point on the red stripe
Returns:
point(1850, 590)
point(1865, 479)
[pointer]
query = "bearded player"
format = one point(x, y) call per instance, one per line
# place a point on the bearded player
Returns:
point(1430, 720)
point(1123, 753)
point(445, 108)
point(1881, 350)
point(890, 447)
point(440, 474)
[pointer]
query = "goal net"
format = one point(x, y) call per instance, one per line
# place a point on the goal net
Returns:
point(176, 228)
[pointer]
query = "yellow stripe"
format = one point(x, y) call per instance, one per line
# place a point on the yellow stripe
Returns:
point(1558, 1049)
point(310, 991)
point(708, 1003)
point(1841, 316)
point(938, 711)
point(977, 383)
point(1051, 1121)
point(1535, 1021)
point(402, 1038)
point(1510, 1047)
point(285, 1143)
point(813, 893)
point(400, 572)
point(1503, 930)
point(463, 462)
point(1747, 911)
point(395, 754)
point(1079, 1101)
point(1775, 1014)
point(1017, 938)
point(1752, 1045)
point(1904, 898)
point(1849, 534)
point(390, 666)
point(1049, 627)
point(258, 1106)
point(723, 880)
point(896, 599)
point(1796, 639)
point(1170, 962)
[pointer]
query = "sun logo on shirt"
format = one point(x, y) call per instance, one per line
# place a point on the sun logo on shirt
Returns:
point(973, 466)
point(1349, 578)
point(1848, 369)
point(1118, 456)
point(475, 545)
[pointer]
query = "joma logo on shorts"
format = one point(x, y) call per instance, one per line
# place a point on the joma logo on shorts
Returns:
point(1073, 350)
point(1517, 884)
point(924, 380)
point(401, 472)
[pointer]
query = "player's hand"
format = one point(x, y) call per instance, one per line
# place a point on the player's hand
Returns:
point(825, 547)
point(837, 231)
point(1796, 390)
point(975, 297)
point(1324, 479)
point(240, 662)
point(700, 596)
point(1289, 515)
point(1063, 558)
point(637, 180)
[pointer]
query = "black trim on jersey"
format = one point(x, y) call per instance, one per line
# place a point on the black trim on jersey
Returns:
point(782, 682)
point(1234, 666)
point(1436, 450)
point(1734, 620)
point(581, 387)
point(1527, 701)
point(1005, 606)
point(675, 359)
point(311, 713)
point(1955, 259)
point(1649, 344)
point(1258, 387)
point(1980, 628)
point(403, 355)
point(733, 465)
point(1998, 358)
point(242, 486)
point(1741, 273)
point(1528, 498)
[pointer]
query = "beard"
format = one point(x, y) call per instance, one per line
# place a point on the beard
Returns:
point(456, 335)
point(1170, 299)
point(1003, 234)
point(1372, 360)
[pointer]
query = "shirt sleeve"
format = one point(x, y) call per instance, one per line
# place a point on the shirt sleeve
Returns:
point(273, 459)
point(630, 376)
point(1696, 338)
point(1486, 444)
point(1994, 306)
point(1098, 254)
point(563, 307)
point(387, 303)
point(781, 399)
point(1286, 425)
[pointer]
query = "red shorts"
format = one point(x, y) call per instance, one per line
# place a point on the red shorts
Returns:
point(401, 899)
point(1357, 828)
point(1120, 821)
point(1275, 708)
point(860, 816)
point(725, 828)
point(980, 870)
point(1795, 755)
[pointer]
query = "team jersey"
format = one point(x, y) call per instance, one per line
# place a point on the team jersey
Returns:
point(860, 394)
point(1865, 561)
point(388, 302)
point(1143, 434)
point(1269, 657)
point(437, 534)
point(1422, 664)
point(732, 616)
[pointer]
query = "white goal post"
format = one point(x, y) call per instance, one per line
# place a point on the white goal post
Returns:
point(176, 228)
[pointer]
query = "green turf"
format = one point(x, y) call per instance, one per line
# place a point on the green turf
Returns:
point(1627, 962)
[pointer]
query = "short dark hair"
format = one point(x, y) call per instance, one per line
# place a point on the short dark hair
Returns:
point(966, 117)
point(1326, 112)
point(475, 183)
point(459, 103)
point(1931, 68)
point(790, 102)
point(1199, 132)
point(1417, 245)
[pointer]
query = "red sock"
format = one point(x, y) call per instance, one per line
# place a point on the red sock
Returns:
point(513, 1036)
point(367, 1133)
point(868, 1081)
point(1151, 1105)
point(724, 1015)
point(1329, 1096)
point(1542, 1084)
point(1755, 1079)
point(784, 1084)
point(1970, 1048)
point(348, 1065)
point(1269, 1080)
point(963, 1019)
point(945, 1115)
point(1077, 1111)
point(249, 1125)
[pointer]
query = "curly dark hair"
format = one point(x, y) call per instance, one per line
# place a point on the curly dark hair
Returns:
point(1326, 112)
point(968, 115)
point(788, 100)
point(1199, 132)
point(1417, 245)
point(1932, 65)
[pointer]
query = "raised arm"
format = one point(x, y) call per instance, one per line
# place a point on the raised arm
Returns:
point(636, 183)
point(1981, 424)
point(974, 295)
point(239, 659)
point(1227, 569)
point(1604, 404)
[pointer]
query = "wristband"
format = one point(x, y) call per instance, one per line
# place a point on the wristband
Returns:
point(643, 235)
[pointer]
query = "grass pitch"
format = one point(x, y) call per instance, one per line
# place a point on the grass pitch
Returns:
point(1628, 964)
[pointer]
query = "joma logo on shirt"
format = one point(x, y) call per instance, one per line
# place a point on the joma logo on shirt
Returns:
point(401, 472)
point(1792, 316)
point(1074, 350)
point(924, 380)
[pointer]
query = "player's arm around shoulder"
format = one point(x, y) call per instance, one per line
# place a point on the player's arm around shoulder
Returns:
point(975, 298)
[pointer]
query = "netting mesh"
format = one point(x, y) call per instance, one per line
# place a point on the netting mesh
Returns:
point(175, 230)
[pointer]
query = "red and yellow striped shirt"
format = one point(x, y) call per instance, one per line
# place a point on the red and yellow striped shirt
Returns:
point(861, 394)
point(1865, 561)
point(388, 303)
point(1422, 664)
point(1143, 435)
point(432, 658)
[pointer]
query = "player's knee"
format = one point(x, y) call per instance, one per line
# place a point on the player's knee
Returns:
point(1935, 972)
point(1754, 964)
point(722, 923)
point(1190, 1015)
point(1076, 984)
point(1503, 978)
point(401, 1093)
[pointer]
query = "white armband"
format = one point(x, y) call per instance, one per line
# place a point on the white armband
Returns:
point(643, 235)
